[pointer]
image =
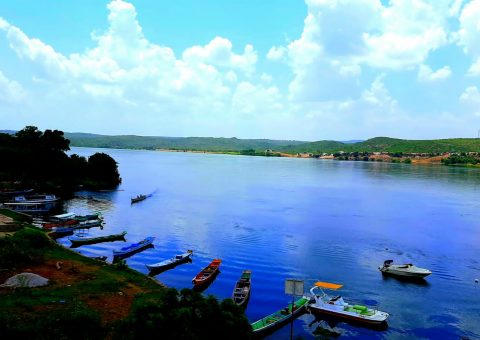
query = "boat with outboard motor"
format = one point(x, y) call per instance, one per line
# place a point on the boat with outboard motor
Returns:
point(404, 270)
point(174, 261)
point(139, 198)
point(336, 306)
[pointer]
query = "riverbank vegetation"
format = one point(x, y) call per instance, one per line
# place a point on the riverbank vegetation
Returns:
point(462, 159)
point(31, 158)
point(89, 299)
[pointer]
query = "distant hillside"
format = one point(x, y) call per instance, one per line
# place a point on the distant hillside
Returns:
point(377, 144)
point(176, 143)
point(8, 132)
point(385, 144)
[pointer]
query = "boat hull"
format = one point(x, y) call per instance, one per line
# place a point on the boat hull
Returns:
point(162, 267)
point(266, 327)
point(405, 274)
point(347, 316)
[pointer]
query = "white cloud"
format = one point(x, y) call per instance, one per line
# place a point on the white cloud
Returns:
point(426, 74)
point(469, 34)
point(219, 52)
point(471, 95)
point(474, 69)
point(277, 53)
point(11, 92)
point(470, 98)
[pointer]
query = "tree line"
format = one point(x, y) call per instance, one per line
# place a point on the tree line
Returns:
point(34, 159)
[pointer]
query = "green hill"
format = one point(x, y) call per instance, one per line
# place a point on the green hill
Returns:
point(176, 143)
point(377, 144)
point(386, 144)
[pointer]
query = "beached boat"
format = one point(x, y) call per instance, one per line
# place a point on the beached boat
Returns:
point(279, 318)
point(241, 292)
point(61, 232)
point(138, 198)
point(404, 270)
point(337, 307)
point(62, 223)
point(174, 261)
point(208, 273)
point(134, 248)
point(63, 217)
point(88, 224)
point(79, 240)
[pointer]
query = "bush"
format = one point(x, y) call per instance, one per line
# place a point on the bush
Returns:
point(187, 315)
point(23, 247)
point(407, 161)
point(67, 323)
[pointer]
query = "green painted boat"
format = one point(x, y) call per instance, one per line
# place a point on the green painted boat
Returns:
point(280, 317)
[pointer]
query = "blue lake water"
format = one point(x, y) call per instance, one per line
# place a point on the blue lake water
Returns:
point(307, 219)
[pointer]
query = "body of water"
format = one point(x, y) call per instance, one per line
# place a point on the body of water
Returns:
point(307, 219)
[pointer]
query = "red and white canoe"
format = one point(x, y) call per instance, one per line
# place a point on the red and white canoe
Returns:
point(208, 273)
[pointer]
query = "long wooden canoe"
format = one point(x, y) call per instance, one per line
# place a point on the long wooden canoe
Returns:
point(79, 240)
point(208, 273)
point(241, 292)
point(279, 318)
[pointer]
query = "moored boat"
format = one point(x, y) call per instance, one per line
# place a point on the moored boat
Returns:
point(34, 199)
point(337, 307)
point(133, 248)
point(404, 270)
point(208, 273)
point(63, 223)
point(78, 240)
point(279, 318)
point(174, 261)
point(138, 198)
point(241, 292)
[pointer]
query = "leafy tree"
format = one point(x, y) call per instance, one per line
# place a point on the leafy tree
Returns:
point(102, 170)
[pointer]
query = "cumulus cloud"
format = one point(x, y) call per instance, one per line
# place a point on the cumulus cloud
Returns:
point(10, 91)
point(277, 53)
point(426, 74)
point(127, 68)
point(340, 37)
point(469, 34)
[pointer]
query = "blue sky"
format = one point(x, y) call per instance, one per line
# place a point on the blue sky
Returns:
point(308, 70)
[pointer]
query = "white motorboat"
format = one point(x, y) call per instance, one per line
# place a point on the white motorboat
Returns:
point(404, 270)
point(337, 307)
point(171, 262)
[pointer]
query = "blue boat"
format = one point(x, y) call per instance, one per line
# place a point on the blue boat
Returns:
point(133, 248)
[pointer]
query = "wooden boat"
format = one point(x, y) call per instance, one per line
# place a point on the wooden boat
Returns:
point(88, 224)
point(133, 248)
point(61, 232)
point(208, 273)
point(279, 318)
point(241, 293)
point(65, 223)
point(174, 261)
point(138, 198)
point(404, 270)
point(63, 217)
point(337, 307)
point(82, 240)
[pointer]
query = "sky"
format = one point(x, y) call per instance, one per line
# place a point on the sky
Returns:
point(280, 69)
